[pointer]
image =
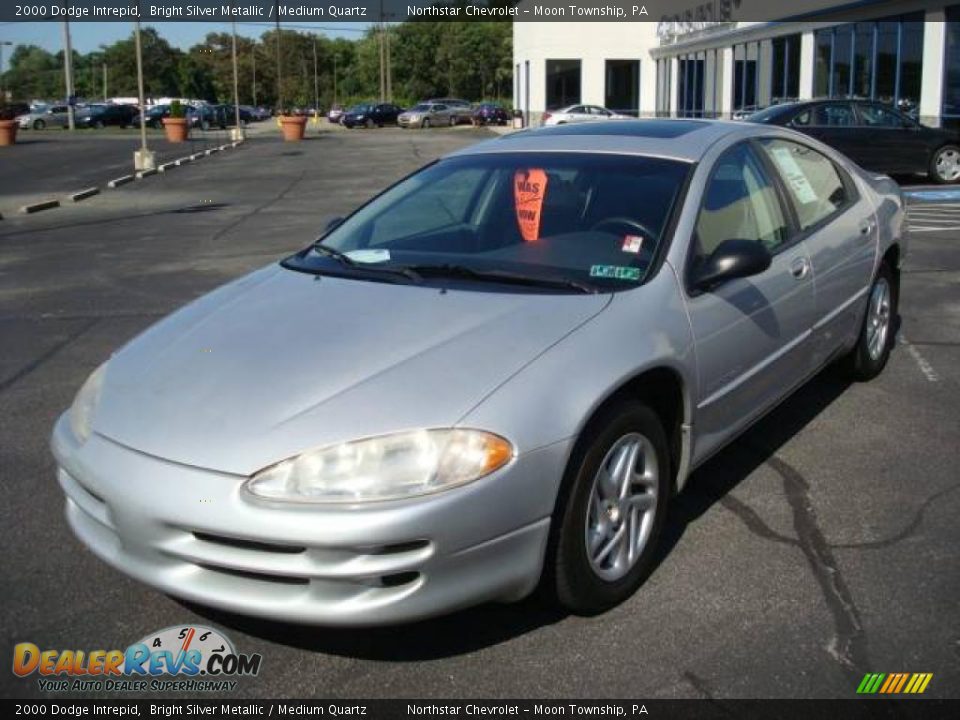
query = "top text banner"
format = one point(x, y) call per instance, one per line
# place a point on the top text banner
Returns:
point(678, 16)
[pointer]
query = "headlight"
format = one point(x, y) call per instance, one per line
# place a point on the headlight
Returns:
point(388, 467)
point(85, 404)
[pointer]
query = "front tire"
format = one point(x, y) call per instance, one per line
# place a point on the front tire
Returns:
point(425, 124)
point(870, 355)
point(39, 124)
point(945, 165)
point(613, 504)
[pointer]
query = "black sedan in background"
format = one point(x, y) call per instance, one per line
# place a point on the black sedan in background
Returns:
point(873, 135)
point(102, 115)
point(371, 115)
point(490, 113)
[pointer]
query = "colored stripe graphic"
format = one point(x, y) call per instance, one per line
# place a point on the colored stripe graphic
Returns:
point(894, 683)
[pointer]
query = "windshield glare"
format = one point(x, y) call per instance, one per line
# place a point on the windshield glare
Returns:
point(596, 220)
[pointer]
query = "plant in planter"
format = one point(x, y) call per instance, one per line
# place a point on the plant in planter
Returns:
point(8, 125)
point(175, 126)
point(293, 126)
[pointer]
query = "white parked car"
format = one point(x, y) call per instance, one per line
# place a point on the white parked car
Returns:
point(580, 113)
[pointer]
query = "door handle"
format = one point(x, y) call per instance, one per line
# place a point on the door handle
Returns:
point(799, 268)
point(866, 227)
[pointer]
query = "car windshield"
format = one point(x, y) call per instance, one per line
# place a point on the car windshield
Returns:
point(592, 220)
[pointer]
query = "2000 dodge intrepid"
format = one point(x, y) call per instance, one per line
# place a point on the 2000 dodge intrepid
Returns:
point(491, 376)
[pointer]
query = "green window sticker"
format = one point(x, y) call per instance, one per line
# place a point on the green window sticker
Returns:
point(615, 272)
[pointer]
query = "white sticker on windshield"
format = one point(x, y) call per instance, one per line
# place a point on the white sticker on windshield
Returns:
point(632, 243)
point(798, 181)
point(375, 255)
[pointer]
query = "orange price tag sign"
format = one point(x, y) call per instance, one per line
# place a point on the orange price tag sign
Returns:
point(529, 187)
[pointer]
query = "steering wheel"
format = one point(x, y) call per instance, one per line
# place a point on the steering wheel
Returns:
point(622, 222)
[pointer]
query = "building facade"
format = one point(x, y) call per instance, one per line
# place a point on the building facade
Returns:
point(904, 53)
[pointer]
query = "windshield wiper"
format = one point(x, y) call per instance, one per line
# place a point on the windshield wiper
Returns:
point(502, 276)
point(344, 259)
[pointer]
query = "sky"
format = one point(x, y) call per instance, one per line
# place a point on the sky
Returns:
point(87, 36)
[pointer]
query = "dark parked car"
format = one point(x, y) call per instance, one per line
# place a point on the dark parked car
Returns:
point(875, 136)
point(371, 115)
point(490, 113)
point(154, 116)
point(100, 115)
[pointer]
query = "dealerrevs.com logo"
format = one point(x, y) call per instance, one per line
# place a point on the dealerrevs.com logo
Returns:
point(182, 658)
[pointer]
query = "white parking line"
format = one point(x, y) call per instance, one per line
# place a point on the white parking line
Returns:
point(925, 367)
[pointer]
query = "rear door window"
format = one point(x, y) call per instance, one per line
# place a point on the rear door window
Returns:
point(816, 186)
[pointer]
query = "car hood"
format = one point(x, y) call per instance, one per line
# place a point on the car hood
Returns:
point(279, 362)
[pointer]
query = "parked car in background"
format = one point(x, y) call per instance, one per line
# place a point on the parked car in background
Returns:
point(335, 115)
point(425, 115)
point(153, 116)
point(516, 358)
point(461, 109)
point(102, 115)
point(490, 114)
point(207, 117)
point(874, 135)
point(256, 114)
point(54, 116)
point(371, 115)
point(581, 113)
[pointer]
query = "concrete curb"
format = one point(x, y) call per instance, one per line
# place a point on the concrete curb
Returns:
point(146, 173)
point(211, 151)
point(183, 160)
point(167, 166)
point(122, 180)
point(38, 206)
point(196, 156)
point(84, 194)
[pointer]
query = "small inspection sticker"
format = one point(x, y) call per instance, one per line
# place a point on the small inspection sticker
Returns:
point(632, 243)
point(615, 272)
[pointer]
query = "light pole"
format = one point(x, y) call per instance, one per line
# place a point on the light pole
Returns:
point(3, 85)
point(316, 90)
point(279, 85)
point(104, 82)
point(237, 133)
point(143, 159)
point(254, 83)
point(68, 72)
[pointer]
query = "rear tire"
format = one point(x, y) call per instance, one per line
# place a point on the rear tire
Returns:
point(876, 339)
point(39, 124)
point(945, 165)
point(605, 496)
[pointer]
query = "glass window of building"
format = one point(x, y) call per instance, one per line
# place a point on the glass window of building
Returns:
point(745, 76)
point(877, 60)
point(563, 83)
point(822, 62)
point(623, 86)
point(951, 67)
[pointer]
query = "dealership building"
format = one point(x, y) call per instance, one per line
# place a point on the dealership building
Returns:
point(903, 53)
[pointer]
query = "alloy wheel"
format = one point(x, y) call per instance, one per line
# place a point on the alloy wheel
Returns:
point(622, 506)
point(878, 318)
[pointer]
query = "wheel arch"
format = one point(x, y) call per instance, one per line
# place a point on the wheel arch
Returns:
point(664, 389)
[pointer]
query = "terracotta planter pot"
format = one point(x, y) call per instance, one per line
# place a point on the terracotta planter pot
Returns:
point(8, 132)
point(176, 129)
point(293, 127)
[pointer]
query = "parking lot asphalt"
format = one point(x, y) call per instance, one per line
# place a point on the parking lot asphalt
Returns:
point(820, 546)
point(50, 163)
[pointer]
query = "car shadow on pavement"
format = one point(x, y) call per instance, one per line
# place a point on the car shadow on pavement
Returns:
point(714, 480)
point(469, 630)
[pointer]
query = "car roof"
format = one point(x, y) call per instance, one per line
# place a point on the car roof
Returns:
point(681, 139)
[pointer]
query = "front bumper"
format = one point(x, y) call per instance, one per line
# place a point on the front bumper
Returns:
point(194, 534)
point(408, 123)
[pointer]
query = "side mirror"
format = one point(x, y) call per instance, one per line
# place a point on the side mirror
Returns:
point(730, 260)
point(333, 223)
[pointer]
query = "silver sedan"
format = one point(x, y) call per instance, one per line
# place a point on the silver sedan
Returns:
point(493, 376)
